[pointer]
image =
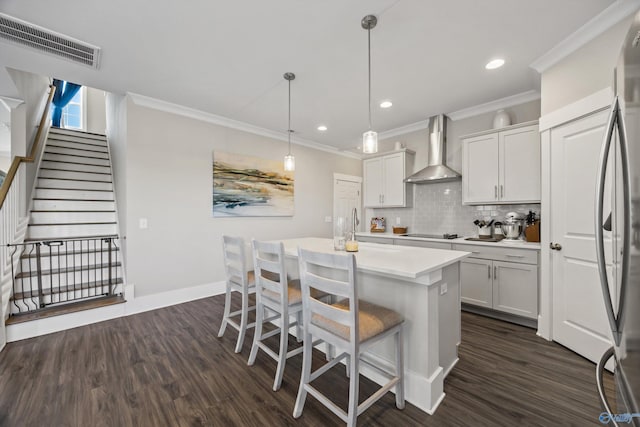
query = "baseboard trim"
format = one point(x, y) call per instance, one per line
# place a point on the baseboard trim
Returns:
point(133, 306)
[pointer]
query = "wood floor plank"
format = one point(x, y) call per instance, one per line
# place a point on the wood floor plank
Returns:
point(168, 368)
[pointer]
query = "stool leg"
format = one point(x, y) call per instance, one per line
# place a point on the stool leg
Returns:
point(304, 377)
point(354, 386)
point(227, 310)
point(282, 356)
point(400, 369)
point(257, 335)
point(243, 320)
point(299, 326)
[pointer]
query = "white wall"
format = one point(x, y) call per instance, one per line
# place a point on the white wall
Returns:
point(584, 72)
point(168, 176)
point(96, 111)
point(5, 162)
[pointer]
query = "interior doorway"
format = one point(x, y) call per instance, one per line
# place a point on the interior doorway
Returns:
point(347, 194)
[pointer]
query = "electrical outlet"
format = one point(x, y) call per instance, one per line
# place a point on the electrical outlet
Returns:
point(397, 220)
point(143, 223)
point(327, 219)
point(443, 289)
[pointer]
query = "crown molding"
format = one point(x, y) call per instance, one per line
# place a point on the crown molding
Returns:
point(10, 103)
point(192, 113)
point(592, 29)
point(402, 130)
point(488, 107)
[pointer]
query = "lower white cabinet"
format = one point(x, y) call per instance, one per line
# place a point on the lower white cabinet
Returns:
point(490, 279)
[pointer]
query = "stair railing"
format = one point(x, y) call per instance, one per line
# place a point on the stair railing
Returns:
point(11, 193)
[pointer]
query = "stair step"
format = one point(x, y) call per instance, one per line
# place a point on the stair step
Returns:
point(79, 144)
point(66, 309)
point(73, 175)
point(67, 288)
point(53, 232)
point(74, 184)
point(76, 160)
point(74, 166)
point(74, 152)
point(72, 252)
point(69, 205)
point(58, 217)
point(75, 148)
point(77, 134)
point(63, 270)
point(73, 194)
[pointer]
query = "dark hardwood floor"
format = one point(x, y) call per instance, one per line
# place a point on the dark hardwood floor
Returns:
point(168, 368)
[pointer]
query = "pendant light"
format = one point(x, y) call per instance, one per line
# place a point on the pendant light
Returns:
point(369, 138)
point(289, 160)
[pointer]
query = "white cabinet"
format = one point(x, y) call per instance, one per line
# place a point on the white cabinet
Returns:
point(502, 166)
point(384, 176)
point(490, 279)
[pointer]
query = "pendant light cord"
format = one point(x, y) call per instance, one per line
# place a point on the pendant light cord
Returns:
point(369, 49)
point(289, 130)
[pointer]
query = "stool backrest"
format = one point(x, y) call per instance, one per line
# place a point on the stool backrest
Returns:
point(270, 271)
point(235, 264)
point(332, 274)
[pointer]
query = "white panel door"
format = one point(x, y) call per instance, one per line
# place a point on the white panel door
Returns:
point(520, 165)
point(346, 196)
point(372, 170)
point(393, 181)
point(480, 169)
point(579, 318)
point(476, 282)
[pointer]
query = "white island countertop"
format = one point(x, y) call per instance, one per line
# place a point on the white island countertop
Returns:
point(396, 261)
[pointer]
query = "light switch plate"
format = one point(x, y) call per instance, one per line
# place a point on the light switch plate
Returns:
point(327, 219)
point(143, 223)
point(443, 289)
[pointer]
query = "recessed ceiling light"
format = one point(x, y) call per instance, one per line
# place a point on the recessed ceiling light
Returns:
point(386, 104)
point(496, 63)
point(322, 128)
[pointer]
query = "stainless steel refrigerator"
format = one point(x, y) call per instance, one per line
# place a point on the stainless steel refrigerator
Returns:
point(617, 222)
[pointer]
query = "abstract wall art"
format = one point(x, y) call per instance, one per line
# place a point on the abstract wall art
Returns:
point(250, 186)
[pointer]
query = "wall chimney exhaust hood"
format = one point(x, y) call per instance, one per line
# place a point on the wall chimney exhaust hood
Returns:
point(436, 170)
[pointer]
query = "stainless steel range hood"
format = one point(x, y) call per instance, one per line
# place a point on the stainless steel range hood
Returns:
point(436, 171)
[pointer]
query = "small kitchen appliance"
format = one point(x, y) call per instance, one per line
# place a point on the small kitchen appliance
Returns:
point(512, 226)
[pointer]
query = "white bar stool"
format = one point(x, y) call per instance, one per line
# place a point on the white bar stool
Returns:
point(350, 325)
point(239, 279)
point(276, 293)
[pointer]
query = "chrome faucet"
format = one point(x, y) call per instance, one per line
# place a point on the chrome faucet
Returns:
point(354, 215)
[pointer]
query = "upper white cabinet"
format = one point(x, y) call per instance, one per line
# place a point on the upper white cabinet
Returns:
point(384, 176)
point(502, 166)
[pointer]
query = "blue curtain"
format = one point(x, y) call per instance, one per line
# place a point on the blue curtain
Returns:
point(65, 91)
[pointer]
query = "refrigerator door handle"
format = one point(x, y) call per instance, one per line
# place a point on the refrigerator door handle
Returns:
point(599, 233)
point(607, 416)
point(625, 264)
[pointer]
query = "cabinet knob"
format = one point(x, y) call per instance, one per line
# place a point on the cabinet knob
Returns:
point(555, 246)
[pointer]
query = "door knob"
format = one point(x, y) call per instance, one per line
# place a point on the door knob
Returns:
point(555, 246)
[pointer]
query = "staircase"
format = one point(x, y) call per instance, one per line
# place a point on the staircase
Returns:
point(70, 258)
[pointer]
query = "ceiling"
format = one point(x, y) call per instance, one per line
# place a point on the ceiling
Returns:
point(228, 57)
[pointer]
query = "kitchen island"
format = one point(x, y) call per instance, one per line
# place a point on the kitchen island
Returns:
point(424, 286)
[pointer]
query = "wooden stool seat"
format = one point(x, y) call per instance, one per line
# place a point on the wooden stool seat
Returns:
point(373, 320)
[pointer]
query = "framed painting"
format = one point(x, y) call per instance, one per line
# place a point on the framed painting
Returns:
point(250, 186)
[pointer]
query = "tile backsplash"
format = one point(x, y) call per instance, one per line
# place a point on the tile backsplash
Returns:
point(437, 208)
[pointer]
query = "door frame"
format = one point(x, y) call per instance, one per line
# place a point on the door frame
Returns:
point(351, 178)
point(598, 101)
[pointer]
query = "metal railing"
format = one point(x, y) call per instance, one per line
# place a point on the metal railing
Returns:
point(62, 271)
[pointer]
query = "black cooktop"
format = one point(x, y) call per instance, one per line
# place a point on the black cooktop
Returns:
point(446, 236)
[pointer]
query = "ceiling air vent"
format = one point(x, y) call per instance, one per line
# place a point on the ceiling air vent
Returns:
point(27, 34)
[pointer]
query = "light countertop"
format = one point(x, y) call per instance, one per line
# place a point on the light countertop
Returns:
point(519, 244)
point(405, 262)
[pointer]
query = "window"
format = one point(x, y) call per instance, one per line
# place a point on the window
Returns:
point(72, 114)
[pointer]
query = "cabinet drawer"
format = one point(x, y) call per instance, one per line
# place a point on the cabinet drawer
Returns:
point(422, 244)
point(524, 256)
